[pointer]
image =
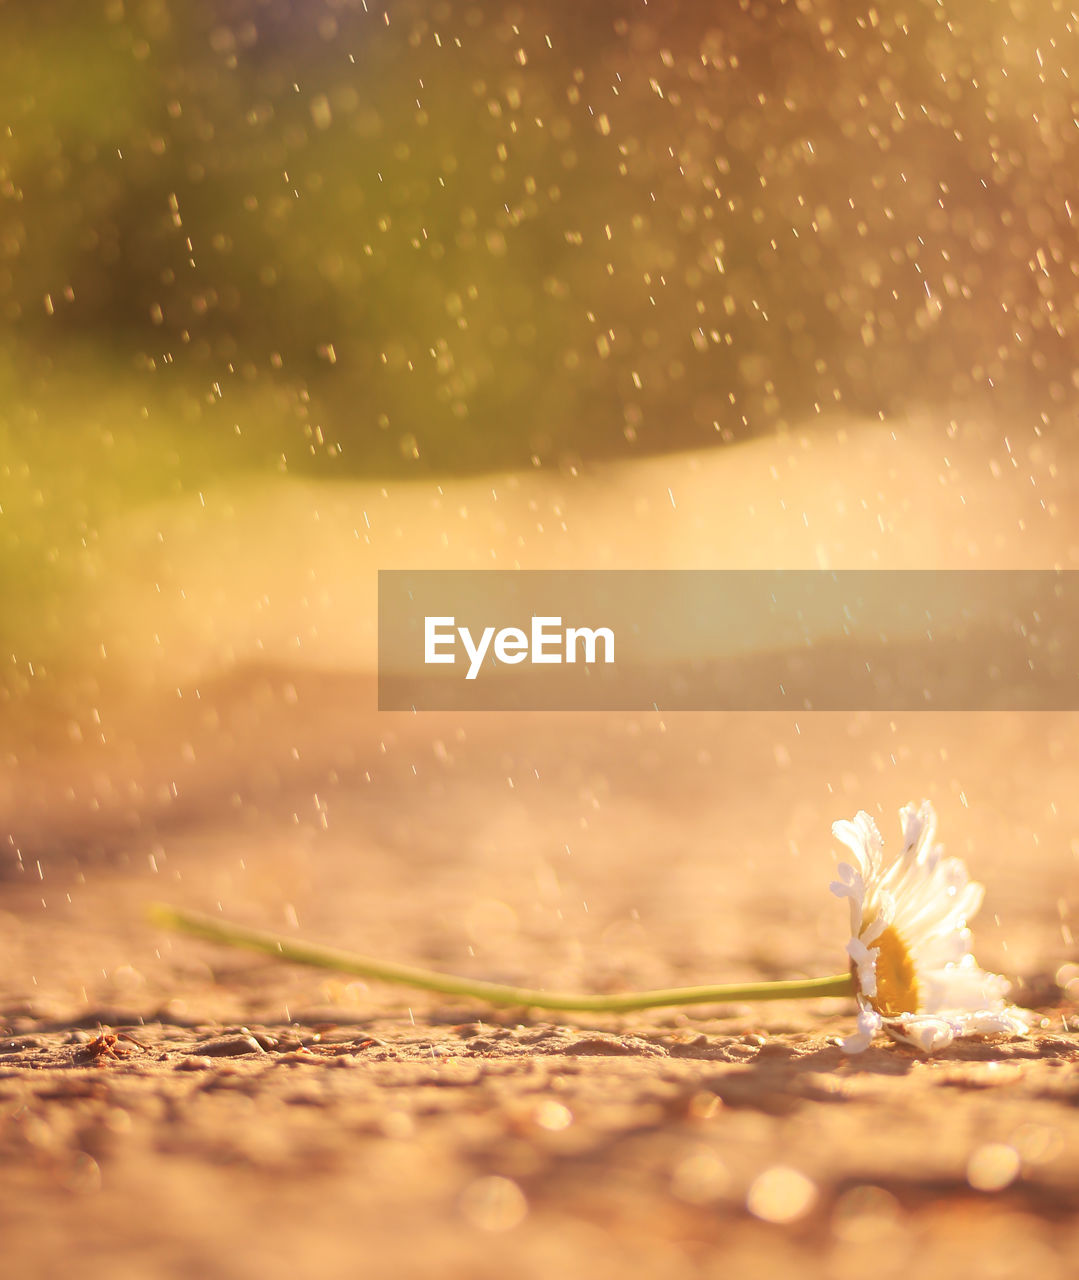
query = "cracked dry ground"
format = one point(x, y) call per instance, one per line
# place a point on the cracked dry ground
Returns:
point(169, 1108)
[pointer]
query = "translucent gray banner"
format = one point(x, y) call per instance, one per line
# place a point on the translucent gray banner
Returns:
point(729, 640)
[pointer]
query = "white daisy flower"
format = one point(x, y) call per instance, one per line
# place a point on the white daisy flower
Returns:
point(910, 946)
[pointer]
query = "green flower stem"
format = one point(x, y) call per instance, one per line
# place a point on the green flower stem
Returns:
point(235, 935)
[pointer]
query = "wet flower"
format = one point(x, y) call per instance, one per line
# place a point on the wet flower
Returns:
point(910, 946)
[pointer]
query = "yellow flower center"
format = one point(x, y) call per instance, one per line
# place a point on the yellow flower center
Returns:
point(897, 980)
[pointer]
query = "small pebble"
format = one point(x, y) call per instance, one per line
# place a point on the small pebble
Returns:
point(19, 1043)
point(228, 1047)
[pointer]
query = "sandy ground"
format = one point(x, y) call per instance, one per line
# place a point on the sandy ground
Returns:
point(252, 1119)
point(256, 1120)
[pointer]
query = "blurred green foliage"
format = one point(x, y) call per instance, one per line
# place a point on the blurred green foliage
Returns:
point(344, 237)
point(462, 234)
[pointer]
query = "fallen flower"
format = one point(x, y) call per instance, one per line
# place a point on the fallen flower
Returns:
point(914, 974)
point(911, 970)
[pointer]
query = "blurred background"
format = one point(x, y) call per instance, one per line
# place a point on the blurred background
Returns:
point(290, 292)
point(342, 240)
point(434, 237)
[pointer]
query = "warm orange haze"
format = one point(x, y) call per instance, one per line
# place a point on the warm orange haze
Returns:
point(292, 293)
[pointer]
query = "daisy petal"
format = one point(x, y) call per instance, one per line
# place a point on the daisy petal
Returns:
point(869, 1023)
point(923, 1032)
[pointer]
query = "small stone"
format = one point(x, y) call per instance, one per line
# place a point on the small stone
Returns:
point(469, 1029)
point(228, 1047)
point(364, 1042)
point(264, 1040)
point(19, 1043)
point(297, 1058)
point(194, 1064)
